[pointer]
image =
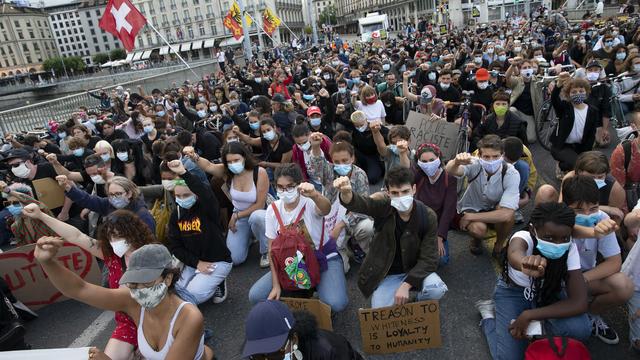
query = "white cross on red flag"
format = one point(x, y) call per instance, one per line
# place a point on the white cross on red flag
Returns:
point(123, 21)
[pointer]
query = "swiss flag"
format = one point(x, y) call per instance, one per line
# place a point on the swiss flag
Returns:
point(123, 20)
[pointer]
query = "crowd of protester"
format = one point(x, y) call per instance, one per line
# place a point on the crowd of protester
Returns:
point(170, 187)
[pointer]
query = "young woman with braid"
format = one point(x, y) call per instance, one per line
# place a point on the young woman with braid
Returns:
point(541, 281)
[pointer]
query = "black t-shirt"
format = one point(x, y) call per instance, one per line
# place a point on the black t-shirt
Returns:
point(523, 103)
point(100, 188)
point(117, 134)
point(275, 155)
point(363, 141)
point(51, 149)
point(396, 266)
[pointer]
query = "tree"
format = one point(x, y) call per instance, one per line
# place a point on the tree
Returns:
point(308, 30)
point(71, 63)
point(100, 58)
point(328, 16)
point(118, 54)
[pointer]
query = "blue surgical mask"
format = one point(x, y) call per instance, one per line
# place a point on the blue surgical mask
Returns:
point(258, 80)
point(236, 167)
point(15, 210)
point(552, 250)
point(269, 135)
point(343, 169)
point(621, 56)
point(78, 152)
point(254, 125)
point(587, 220)
point(362, 128)
point(308, 97)
point(356, 81)
point(187, 202)
point(202, 113)
point(147, 129)
point(160, 113)
point(393, 149)
point(62, 135)
point(118, 202)
point(601, 183)
point(491, 166)
point(105, 157)
point(315, 122)
point(342, 90)
point(502, 58)
point(122, 156)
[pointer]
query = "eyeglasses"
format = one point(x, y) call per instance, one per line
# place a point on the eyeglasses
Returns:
point(9, 203)
point(287, 188)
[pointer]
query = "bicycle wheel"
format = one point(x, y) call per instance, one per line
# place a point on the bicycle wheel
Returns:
point(546, 125)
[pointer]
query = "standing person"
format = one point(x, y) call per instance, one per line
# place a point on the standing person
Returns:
point(220, 56)
point(403, 253)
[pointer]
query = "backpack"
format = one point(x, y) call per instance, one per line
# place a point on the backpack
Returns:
point(504, 172)
point(557, 347)
point(293, 256)
point(631, 189)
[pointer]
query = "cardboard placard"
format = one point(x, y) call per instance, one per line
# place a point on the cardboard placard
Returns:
point(49, 192)
point(440, 132)
point(317, 308)
point(394, 329)
point(29, 283)
point(46, 354)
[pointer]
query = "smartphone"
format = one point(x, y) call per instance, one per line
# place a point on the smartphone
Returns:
point(534, 328)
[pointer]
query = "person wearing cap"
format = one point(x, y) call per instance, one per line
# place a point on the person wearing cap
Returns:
point(148, 292)
point(273, 332)
point(428, 104)
point(281, 115)
point(26, 170)
point(599, 99)
point(317, 121)
point(483, 91)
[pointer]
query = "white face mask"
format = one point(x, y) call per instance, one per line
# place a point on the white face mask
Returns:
point(402, 203)
point(288, 197)
point(119, 246)
point(150, 297)
point(97, 179)
point(123, 156)
point(483, 85)
point(304, 147)
point(21, 171)
point(593, 76)
point(168, 185)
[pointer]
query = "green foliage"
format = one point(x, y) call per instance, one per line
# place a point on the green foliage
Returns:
point(100, 58)
point(328, 16)
point(118, 54)
point(73, 64)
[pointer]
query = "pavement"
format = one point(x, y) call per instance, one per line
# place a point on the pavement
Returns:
point(469, 278)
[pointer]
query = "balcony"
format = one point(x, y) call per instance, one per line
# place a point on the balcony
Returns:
point(198, 17)
point(165, 23)
point(187, 19)
point(173, 6)
point(163, 8)
point(176, 22)
point(210, 16)
point(184, 4)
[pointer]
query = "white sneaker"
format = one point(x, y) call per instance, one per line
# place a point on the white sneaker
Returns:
point(264, 261)
point(221, 293)
point(487, 309)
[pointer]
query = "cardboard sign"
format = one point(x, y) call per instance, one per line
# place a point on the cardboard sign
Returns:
point(46, 354)
point(443, 29)
point(29, 283)
point(394, 329)
point(442, 133)
point(49, 192)
point(317, 308)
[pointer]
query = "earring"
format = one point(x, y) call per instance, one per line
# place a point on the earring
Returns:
point(297, 353)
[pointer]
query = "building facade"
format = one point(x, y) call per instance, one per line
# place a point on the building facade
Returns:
point(68, 31)
point(98, 40)
point(25, 40)
point(319, 6)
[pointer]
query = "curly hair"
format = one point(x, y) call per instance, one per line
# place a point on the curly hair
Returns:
point(127, 225)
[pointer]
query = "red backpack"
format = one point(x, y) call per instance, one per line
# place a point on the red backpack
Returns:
point(293, 257)
point(556, 348)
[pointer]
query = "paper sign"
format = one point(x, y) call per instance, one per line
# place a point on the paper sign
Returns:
point(47, 354)
point(401, 328)
point(49, 192)
point(442, 133)
point(29, 283)
point(317, 308)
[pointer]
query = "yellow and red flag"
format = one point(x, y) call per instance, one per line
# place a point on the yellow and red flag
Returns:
point(233, 21)
point(270, 21)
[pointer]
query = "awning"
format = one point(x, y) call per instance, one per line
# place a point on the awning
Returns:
point(129, 56)
point(196, 45)
point(137, 56)
point(231, 41)
point(146, 55)
point(209, 43)
point(164, 50)
point(185, 46)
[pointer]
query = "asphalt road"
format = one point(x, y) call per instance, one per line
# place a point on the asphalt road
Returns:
point(468, 278)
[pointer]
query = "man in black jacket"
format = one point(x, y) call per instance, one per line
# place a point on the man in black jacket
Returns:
point(205, 143)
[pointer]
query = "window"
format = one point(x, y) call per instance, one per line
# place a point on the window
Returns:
point(95, 40)
point(60, 41)
point(93, 32)
point(190, 32)
point(209, 9)
point(86, 13)
point(97, 48)
point(57, 34)
point(36, 47)
point(90, 22)
point(39, 23)
point(164, 19)
point(25, 48)
point(186, 14)
point(1, 25)
point(20, 36)
point(117, 44)
point(16, 23)
point(2, 51)
point(201, 29)
point(68, 48)
point(175, 16)
point(104, 38)
point(97, 12)
point(28, 57)
point(107, 47)
point(31, 35)
point(55, 26)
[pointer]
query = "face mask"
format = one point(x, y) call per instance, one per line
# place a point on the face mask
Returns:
point(491, 166)
point(593, 76)
point(120, 247)
point(202, 99)
point(168, 185)
point(636, 67)
point(526, 72)
point(362, 128)
point(502, 57)
point(500, 110)
point(186, 203)
point(539, 58)
point(608, 43)
point(483, 85)
point(393, 149)
point(305, 147)
point(402, 203)
point(308, 97)
point(105, 157)
point(147, 129)
point(123, 156)
point(258, 80)
point(97, 179)
point(342, 90)
point(160, 113)
point(343, 169)
point(356, 81)
point(21, 171)
point(371, 100)
point(288, 197)
point(582, 41)
point(490, 50)
point(78, 152)
point(269, 135)
point(213, 108)
point(202, 113)
point(587, 220)
point(386, 67)
point(62, 135)
point(151, 297)
point(315, 122)
point(236, 167)
point(412, 73)
point(335, 63)
point(15, 210)
point(444, 86)
point(517, 49)
point(601, 183)
point(551, 250)
point(118, 202)
point(430, 167)
point(578, 98)
point(477, 59)
point(621, 56)
point(432, 76)
point(254, 125)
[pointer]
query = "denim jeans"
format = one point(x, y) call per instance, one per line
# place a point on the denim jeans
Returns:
point(196, 287)
point(238, 242)
point(523, 169)
point(332, 289)
point(433, 288)
point(510, 303)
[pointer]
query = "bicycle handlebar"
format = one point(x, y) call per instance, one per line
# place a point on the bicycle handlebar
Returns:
point(458, 103)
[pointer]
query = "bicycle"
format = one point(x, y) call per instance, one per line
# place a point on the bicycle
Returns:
point(462, 141)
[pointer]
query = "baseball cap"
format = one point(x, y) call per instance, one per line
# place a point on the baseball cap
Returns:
point(267, 328)
point(146, 264)
point(279, 98)
point(17, 154)
point(594, 63)
point(482, 74)
point(313, 110)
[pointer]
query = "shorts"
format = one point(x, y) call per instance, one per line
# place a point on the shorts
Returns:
point(126, 330)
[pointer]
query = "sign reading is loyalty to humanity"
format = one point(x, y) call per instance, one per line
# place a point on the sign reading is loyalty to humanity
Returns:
point(439, 132)
point(393, 329)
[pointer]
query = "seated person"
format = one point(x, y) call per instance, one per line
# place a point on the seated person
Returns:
point(492, 193)
point(501, 121)
point(301, 153)
point(405, 238)
point(513, 154)
point(397, 153)
point(545, 262)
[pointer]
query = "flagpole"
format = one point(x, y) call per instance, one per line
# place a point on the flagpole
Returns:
point(260, 28)
point(172, 49)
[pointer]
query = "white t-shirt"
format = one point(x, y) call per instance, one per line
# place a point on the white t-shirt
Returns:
point(518, 277)
point(590, 247)
point(312, 220)
point(374, 112)
point(221, 57)
point(575, 136)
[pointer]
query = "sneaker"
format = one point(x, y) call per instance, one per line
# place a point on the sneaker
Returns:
point(221, 293)
point(487, 309)
point(602, 331)
point(264, 261)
